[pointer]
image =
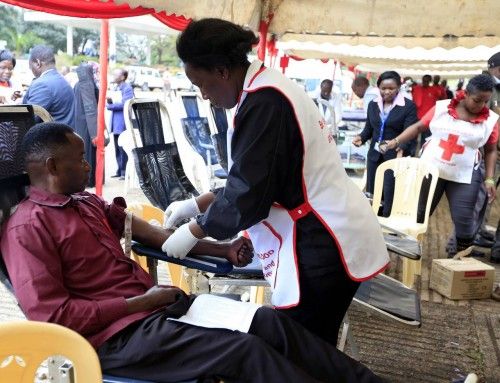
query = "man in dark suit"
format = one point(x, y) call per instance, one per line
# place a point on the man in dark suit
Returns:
point(49, 89)
point(118, 121)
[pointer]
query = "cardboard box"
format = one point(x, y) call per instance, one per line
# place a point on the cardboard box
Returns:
point(462, 279)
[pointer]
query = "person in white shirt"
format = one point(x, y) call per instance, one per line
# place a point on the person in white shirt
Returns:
point(362, 88)
point(333, 98)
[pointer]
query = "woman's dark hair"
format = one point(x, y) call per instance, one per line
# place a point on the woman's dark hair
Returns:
point(213, 43)
point(480, 83)
point(390, 75)
point(7, 55)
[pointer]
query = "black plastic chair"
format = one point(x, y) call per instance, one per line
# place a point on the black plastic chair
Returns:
point(158, 164)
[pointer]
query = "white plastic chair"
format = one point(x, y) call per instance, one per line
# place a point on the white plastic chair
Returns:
point(409, 173)
point(25, 345)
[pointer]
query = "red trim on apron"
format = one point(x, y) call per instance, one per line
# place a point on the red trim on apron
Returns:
point(300, 211)
point(307, 199)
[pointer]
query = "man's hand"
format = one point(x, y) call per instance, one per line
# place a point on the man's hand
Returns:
point(240, 252)
point(155, 297)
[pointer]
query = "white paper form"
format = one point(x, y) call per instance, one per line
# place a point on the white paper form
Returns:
point(212, 311)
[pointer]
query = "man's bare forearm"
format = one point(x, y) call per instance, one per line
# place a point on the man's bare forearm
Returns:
point(155, 236)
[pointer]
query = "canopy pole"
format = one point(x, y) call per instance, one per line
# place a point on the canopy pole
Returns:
point(103, 86)
point(261, 50)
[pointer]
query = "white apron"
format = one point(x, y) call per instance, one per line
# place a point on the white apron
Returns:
point(453, 145)
point(335, 200)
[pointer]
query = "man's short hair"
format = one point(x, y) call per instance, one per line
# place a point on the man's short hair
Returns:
point(361, 81)
point(43, 53)
point(43, 139)
point(327, 81)
point(125, 73)
point(494, 60)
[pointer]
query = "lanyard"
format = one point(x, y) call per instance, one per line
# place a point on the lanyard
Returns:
point(383, 119)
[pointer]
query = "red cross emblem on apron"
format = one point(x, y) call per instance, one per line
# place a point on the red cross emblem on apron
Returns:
point(450, 147)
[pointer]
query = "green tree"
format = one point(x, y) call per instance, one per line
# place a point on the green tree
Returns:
point(50, 34)
point(130, 48)
point(81, 36)
point(163, 50)
point(10, 25)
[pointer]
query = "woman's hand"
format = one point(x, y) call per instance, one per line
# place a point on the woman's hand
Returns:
point(387, 145)
point(491, 190)
point(179, 210)
point(240, 252)
point(357, 141)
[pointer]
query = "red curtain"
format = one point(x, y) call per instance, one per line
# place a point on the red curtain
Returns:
point(96, 9)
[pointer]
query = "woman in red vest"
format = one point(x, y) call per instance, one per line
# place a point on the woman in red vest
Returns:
point(459, 128)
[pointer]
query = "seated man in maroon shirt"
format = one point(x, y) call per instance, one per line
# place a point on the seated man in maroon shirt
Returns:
point(62, 251)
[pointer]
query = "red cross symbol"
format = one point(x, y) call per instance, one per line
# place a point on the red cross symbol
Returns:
point(450, 147)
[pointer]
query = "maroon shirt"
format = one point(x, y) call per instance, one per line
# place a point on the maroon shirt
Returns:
point(66, 264)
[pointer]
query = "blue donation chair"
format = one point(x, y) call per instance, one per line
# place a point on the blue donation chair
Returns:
point(197, 130)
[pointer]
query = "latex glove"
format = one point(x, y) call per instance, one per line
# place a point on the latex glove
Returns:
point(178, 211)
point(180, 242)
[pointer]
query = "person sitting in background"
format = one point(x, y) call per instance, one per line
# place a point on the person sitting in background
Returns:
point(362, 88)
point(388, 115)
point(459, 127)
point(8, 93)
point(62, 250)
point(332, 98)
point(49, 89)
point(69, 76)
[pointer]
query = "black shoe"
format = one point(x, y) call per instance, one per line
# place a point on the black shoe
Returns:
point(115, 176)
point(477, 254)
point(482, 242)
point(487, 235)
point(495, 255)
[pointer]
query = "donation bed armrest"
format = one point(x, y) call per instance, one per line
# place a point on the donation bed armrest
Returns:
point(201, 262)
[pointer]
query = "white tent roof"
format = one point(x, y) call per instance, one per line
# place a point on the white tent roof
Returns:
point(446, 23)
point(413, 36)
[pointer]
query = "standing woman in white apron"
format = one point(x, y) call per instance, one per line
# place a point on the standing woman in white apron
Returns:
point(459, 127)
point(311, 227)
